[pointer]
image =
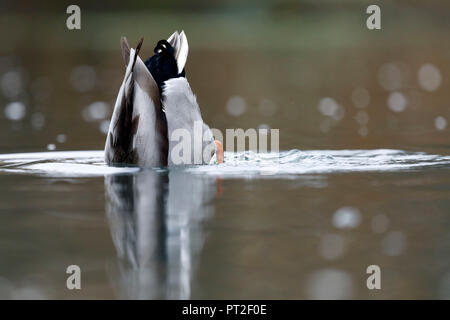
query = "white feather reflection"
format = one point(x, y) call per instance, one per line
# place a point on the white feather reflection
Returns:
point(155, 221)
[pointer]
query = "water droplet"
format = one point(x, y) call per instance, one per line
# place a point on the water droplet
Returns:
point(236, 106)
point(51, 147)
point(104, 126)
point(330, 108)
point(61, 138)
point(96, 111)
point(339, 114)
point(11, 84)
point(330, 284)
point(362, 117)
point(347, 218)
point(440, 123)
point(429, 77)
point(397, 101)
point(15, 111)
point(327, 106)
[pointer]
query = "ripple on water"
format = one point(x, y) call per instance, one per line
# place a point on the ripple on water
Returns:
point(285, 164)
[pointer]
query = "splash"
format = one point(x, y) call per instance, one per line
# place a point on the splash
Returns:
point(243, 164)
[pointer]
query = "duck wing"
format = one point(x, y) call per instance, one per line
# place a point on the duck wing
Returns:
point(184, 122)
point(137, 133)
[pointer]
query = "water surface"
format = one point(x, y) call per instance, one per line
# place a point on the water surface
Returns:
point(301, 224)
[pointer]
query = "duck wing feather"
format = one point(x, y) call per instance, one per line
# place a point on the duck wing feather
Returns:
point(137, 133)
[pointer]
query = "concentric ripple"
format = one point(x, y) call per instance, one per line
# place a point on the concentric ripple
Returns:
point(242, 164)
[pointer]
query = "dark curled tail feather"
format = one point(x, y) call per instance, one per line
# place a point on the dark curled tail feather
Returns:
point(126, 50)
point(138, 48)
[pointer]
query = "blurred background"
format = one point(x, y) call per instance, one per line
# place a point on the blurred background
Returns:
point(309, 68)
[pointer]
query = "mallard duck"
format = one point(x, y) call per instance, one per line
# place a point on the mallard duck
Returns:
point(156, 118)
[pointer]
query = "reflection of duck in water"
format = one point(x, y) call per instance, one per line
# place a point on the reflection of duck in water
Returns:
point(156, 110)
point(156, 229)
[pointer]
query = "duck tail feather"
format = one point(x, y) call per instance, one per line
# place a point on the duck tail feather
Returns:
point(138, 48)
point(183, 50)
point(173, 38)
point(125, 50)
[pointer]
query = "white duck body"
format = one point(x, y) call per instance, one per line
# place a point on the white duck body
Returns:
point(184, 119)
point(190, 139)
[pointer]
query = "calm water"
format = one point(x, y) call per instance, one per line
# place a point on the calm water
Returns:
point(305, 224)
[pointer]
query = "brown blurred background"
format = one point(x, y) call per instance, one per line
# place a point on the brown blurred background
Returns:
point(310, 68)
